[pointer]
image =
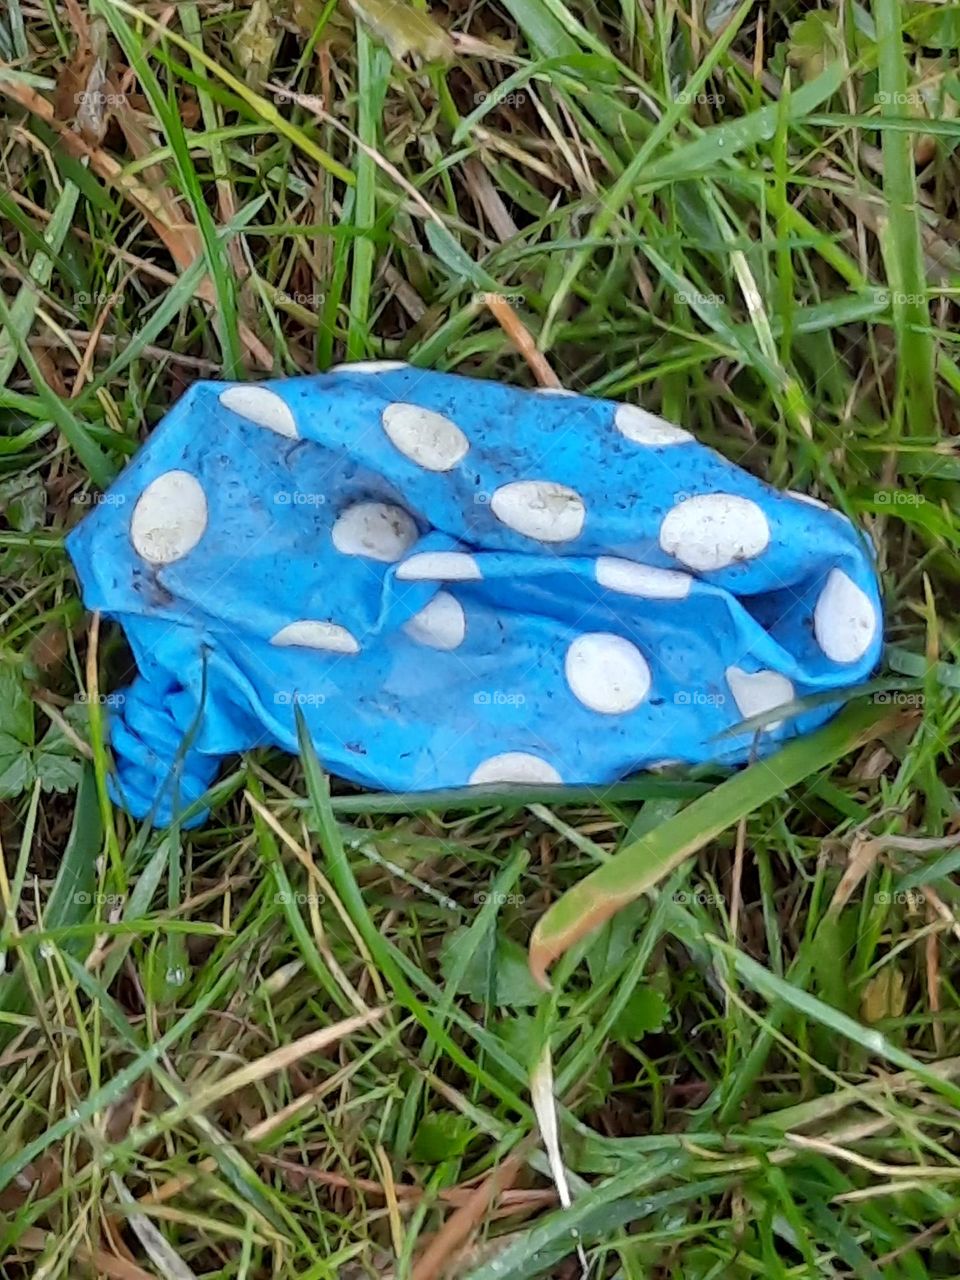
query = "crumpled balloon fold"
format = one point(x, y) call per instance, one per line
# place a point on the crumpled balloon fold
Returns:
point(459, 583)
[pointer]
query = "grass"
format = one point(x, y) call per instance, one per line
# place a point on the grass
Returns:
point(305, 1040)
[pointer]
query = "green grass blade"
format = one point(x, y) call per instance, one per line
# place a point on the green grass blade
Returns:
point(900, 234)
point(645, 862)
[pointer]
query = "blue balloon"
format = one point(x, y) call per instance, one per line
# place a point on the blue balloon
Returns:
point(459, 583)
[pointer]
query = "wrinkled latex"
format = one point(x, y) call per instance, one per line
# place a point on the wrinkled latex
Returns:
point(459, 583)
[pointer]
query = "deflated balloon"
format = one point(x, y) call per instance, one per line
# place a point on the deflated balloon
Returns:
point(459, 583)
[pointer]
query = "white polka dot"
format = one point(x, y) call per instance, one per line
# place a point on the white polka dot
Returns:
point(844, 620)
point(308, 634)
point(540, 509)
point(376, 530)
point(369, 366)
point(646, 428)
point(426, 438)
point(808, 499)
point(607, 673)
point(555, 391)
point(261, 406)
point(759, 691)
point(450, 566)
point(169, 518)
point(824, 506)
point(441, 624)
point(515, 766)
point(633, 579)
point(714, 530)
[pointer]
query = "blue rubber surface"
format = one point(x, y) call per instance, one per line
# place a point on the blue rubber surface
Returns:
point(459, 583)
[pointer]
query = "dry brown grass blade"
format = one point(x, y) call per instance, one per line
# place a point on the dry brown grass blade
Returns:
point(181, 239)
point(488, 200)
point(916, 1241)
point(520, 336)
point(390, 1195)
point(80, 100)
point(49, 369)
point(310, 1098)
point(34, 1182)
point(104, 1264)
point(441, 1252)
point(933, 985)
point(940, 908)
point(279, 1060)
point(511, 1201)
point(173, 1186)
point(864, 851)
point(845, 1154)
point(86, 364)
point(110, 342)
